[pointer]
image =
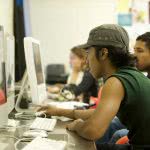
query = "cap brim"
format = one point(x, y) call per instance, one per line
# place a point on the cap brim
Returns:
point(84, 46)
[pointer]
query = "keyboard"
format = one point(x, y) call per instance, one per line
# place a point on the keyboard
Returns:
point(45, 144)
point(43, 124)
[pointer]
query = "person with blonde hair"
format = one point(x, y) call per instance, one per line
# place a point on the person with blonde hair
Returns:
point(80, 82)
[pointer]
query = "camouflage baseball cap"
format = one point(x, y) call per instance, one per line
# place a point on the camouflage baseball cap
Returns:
point(108, 35)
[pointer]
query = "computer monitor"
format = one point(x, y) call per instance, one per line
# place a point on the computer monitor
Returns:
point(3, 95)
point(35, 71)
point(7, 83)
point(10, 71)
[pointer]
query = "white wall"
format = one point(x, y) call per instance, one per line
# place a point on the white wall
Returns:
point(134, 32)
point(62, 24)
point(6, 15)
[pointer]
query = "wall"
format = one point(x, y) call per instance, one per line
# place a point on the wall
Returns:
point(6, 15)
point(62, 24)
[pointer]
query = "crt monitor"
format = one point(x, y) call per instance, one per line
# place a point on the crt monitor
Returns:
point(35, 71)
point(3, 96)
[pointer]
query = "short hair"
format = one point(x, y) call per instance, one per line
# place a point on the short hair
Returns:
point(145, 38)
point(118, 57)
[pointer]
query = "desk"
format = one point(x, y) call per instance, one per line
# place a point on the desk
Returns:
point(80, 143)
point(73, 138)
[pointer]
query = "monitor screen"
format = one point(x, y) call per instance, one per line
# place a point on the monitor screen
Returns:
point(37, 62)
point(3, 97)
point(35, 70)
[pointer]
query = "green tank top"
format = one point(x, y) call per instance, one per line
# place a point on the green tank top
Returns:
point(134, 111)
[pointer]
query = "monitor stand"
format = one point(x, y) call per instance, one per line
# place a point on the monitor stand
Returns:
point(23, 104)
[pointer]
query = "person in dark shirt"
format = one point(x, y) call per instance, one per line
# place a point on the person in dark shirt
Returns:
point(88, 87)
point(125, 91)
point(85, 84)
point(81, 84)
point(142, 52)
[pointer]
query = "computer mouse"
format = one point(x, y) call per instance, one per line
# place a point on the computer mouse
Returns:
point(39, 113)
point(35, 133)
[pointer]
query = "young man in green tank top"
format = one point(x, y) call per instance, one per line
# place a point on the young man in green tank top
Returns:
point(125, 92)
point(142, 53)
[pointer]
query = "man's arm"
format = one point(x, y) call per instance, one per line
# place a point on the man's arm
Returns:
point(75, 114)
point(94, 127)
point(70, 113)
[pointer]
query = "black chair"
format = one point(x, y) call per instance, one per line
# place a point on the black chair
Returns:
point(55, 73)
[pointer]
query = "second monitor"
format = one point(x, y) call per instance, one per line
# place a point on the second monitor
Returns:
point(35, 70)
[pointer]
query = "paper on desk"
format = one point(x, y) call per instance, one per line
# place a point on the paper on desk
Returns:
point(61, 118)
point(45, 144)
point(66, 105)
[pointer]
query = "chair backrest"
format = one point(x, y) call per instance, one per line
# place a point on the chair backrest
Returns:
point(55, 73)
point(96, 100)
point(55, 69)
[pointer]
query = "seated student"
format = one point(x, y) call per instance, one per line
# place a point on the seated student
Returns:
point(80, 80)
point(125, 92)
point(142, 53)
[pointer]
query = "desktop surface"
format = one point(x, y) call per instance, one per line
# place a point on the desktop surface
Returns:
point(75, 142)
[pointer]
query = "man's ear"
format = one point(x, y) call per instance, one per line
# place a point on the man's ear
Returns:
point(103, 54)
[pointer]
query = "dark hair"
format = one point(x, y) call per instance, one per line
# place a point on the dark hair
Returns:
point(145, 38)
point(118, 57)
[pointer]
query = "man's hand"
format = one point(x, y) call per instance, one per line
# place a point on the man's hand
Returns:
point(49, 110)
point(72, 126)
